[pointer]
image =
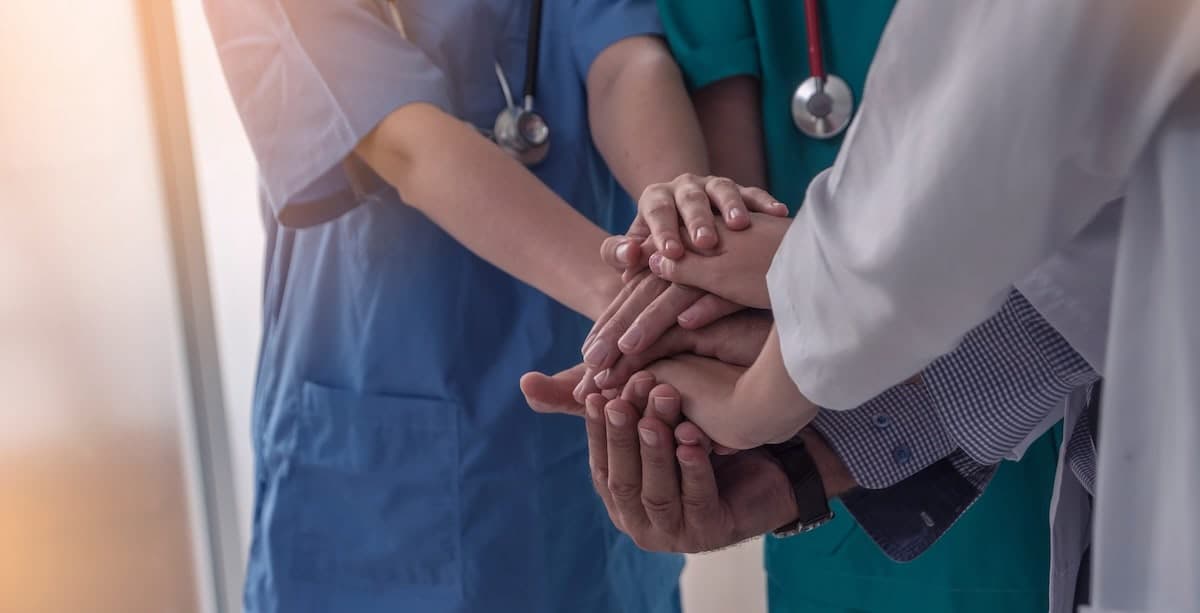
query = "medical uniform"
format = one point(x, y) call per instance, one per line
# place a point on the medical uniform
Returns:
point(839, 568)
point(398, 465)
point(950, 189)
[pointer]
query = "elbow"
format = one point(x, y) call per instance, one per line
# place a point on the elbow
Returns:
point(640, 58)
point(391, 148)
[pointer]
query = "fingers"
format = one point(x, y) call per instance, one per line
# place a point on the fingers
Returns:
point(674, 342)
point(665, 404)
point(598, 452)
point(660, 481)
point(620, 252)
point(553, 394)
point(695, 209)
point(645, 250)
point(725, 195)
point(612, 308)
point(625, 464)
point(586, 386)
point(688, 433)
point(657, 206)
point(709, 308)
point(759, 201)
point(697, 489)
point(637, 391)
point(694, 270)
point(658, 317)
point(602, 351)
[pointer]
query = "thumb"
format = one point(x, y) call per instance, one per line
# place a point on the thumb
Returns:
point(553, 394)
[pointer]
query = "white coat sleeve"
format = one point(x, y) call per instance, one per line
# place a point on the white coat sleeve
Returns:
point(989, 135)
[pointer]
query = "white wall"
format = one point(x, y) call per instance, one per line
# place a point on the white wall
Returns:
point(727, 581)
point(99, 503)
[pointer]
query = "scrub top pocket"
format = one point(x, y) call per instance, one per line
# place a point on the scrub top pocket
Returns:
point(370, 496)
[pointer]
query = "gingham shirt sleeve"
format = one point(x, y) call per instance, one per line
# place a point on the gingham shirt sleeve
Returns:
point(980, 401)
point(923, 453)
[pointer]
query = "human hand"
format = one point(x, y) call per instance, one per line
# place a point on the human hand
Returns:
point(739, 408)
point(678, 498)
point(737, 269)
point(691, 198)
point(737, 339)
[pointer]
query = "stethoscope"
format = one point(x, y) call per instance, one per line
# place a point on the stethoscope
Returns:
point(518, 130)
point(822, 104)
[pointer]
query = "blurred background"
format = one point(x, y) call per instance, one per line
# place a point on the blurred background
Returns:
point(130, 270)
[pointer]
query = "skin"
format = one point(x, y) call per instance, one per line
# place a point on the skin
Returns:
point(657, 478)
point(638, 108)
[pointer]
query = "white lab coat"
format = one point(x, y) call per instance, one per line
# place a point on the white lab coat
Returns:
point(990, 134)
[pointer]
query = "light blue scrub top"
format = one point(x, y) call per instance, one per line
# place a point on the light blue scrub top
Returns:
point(399, 468)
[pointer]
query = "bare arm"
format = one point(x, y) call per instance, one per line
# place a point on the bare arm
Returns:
point(492, 205)
point(731, 120)
point(640, 116)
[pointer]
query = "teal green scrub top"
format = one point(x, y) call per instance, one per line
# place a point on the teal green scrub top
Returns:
point(997, 557)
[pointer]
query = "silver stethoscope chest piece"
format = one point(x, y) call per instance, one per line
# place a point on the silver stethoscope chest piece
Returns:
point(822, 108)
point(822, 104)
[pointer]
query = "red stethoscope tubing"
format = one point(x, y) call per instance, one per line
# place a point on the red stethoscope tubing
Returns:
point(812, 20)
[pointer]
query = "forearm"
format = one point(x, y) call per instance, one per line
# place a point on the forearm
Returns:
point(492, 205)
point(769, 407)
point(731, 121)
point(640, 116)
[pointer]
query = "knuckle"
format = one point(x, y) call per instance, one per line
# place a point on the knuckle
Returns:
point(687, 177)
point(659, 506)
point(624, 491)
point(722, 183)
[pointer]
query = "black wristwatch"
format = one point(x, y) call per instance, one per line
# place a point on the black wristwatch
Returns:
point(806, 487)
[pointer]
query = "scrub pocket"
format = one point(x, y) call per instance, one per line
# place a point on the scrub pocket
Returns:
point(369, 500)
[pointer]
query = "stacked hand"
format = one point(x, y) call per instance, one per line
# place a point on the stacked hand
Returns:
point(692, 314)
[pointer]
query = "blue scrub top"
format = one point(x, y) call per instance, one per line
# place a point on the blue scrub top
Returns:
point(399, 468)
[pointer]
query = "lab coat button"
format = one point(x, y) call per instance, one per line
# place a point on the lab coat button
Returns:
point(883, 422)
point(901, 455)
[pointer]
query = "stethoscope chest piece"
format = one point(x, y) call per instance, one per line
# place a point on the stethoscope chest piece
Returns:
point(523, 134)
point(822, 108)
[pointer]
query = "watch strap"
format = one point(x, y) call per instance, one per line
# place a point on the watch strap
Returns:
point(807, 487)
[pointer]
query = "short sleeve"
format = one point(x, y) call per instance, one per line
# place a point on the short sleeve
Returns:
point(711, 40)
point(310, 79)
point(598, 24)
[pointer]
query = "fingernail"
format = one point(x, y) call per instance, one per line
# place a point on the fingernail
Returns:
point(623, 252)
point(672, 246)
point(596, 353)
point(685, 318)
point(602, 378)
point(630, 340)
point(615, 417)
point(593, 410)
point(579, 390)
point(778, 204)
point(643, 386)
point(703, 232)
point(666, 406)
point(649, 437)
point(735, 213)
point(687, 440)
point(656, 263)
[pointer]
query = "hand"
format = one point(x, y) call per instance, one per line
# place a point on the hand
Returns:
point(690, 198)
point(736, 270)
point(740, 408)
point(680, 499)
point(644, 309)
point(737, 339)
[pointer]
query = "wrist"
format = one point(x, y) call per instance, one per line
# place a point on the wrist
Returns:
point(834, 474)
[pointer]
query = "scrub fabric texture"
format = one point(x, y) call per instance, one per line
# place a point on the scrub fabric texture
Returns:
point(398, 465)
point(997, 557)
